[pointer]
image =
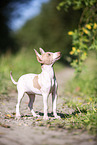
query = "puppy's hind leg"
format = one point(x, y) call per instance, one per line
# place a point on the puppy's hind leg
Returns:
point(20, 96)
point(30, 105)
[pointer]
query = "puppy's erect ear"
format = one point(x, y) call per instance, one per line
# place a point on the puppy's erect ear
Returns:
point(41, 51)
point(39, 58)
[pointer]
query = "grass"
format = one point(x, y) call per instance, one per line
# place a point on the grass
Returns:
point(82, 97)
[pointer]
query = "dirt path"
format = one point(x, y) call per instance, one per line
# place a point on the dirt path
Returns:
point(33, 131)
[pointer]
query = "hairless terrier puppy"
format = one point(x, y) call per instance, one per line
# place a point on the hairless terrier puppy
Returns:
point(41, 84)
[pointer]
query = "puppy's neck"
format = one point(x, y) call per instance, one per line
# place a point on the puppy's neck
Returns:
point(46, 67)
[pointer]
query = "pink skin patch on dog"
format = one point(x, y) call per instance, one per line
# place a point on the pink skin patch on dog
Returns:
point(35, 83)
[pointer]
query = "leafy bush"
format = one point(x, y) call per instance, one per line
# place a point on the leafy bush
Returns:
point(84, 38)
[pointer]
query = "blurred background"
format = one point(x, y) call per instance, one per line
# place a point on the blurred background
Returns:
point(33, 23)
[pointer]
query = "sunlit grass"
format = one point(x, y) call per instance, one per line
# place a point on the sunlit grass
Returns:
point(82, 97)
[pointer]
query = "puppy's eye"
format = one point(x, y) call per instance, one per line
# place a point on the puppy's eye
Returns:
point(49, 54)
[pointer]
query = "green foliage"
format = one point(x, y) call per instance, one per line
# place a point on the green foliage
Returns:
point(76, 4)
point(84, 38)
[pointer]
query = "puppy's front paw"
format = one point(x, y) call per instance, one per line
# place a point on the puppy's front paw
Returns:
point(57, 117)
point(17, 117)
point(46, 118)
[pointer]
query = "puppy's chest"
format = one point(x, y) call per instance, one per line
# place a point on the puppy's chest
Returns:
point(47, 78)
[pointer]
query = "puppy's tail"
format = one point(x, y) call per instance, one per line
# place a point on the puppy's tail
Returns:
point(12, 78)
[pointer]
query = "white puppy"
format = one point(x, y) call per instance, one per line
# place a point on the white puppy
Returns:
point(41, 84)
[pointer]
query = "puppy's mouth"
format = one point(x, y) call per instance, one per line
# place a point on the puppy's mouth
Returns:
point(59, 56)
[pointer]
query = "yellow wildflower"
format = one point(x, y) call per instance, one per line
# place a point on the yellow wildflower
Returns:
point(88, 26)
point(95, 26)
point(79, 98)
point(76, 60)
point(85, 53)
point(80, 103)
point(90, 99)
point(71, 52)
point(70, 33)
point(73, 48)
point(8, 115)
point(85, 31)
point(78, 50)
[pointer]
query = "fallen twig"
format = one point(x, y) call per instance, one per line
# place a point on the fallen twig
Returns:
point(79, 110)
